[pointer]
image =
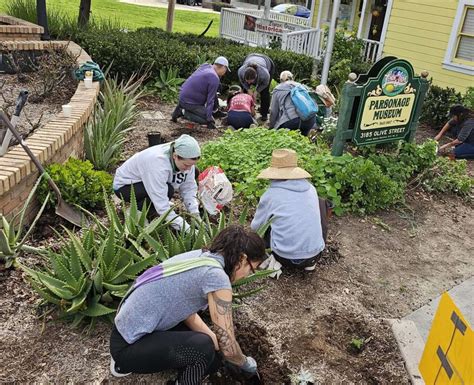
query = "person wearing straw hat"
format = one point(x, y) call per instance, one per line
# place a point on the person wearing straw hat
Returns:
point(292, 205)
point(156, 173)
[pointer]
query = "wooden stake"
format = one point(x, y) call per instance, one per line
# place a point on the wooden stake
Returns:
point(170, 15)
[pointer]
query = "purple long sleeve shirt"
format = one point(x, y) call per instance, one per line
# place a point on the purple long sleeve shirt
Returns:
point(201, 88)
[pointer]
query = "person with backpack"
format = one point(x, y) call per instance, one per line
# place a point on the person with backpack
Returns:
point(298, 220)
point(158, 326)
point(241, 109)
point(257, 70)
point(292, 107)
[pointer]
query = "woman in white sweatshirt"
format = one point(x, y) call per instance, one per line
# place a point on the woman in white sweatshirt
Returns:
point(156, 173)
point(292, 204)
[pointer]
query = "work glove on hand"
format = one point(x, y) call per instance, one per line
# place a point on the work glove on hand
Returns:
point(244, 372)
point(271, 264)
point(211, 125)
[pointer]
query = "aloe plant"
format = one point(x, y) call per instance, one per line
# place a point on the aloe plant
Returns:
point(167, 85)
point(92, 271)
point(12, 233)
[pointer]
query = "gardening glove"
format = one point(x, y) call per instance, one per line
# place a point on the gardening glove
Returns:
point(243, 372)
point(211, 125)
point(271, 264)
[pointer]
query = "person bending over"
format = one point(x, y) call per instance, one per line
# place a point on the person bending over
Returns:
point(158, 327)
point(461, 125)
point(241, 109)
point(198, 95)
point(156, 173)
point(258, 70)
point(298, 230)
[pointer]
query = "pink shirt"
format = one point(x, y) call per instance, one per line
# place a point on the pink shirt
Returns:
point(242, 102)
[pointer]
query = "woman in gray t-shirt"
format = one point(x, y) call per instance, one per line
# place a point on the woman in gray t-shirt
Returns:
point(158, 327)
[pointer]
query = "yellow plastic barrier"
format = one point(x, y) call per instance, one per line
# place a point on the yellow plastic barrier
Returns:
point(448, 357)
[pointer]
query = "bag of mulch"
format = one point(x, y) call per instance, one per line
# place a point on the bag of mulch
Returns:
point(214, 190)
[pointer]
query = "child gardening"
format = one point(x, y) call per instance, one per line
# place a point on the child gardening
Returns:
point(291, 203)
point(241, 110)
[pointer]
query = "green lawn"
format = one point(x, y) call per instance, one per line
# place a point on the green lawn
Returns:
point(134, 16)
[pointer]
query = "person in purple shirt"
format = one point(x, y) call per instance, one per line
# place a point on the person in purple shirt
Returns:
point(198, 95)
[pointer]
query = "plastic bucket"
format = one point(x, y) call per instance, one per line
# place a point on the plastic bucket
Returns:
point(154, 138)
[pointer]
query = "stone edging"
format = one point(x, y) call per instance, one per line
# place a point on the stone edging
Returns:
point(18, 29)
point(48, 142)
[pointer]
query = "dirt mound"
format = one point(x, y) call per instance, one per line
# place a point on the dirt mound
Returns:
point(348, 340)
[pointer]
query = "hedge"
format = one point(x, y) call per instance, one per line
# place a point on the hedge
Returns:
point(129, 51)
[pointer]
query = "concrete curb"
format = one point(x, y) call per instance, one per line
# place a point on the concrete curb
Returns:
point(411, 346)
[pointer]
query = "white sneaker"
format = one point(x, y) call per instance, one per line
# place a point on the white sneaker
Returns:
point(113, 369)
point(310, 268)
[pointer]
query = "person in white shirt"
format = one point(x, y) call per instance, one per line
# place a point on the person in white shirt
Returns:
point(156, 173)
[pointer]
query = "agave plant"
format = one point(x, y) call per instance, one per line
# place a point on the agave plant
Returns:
point(166, 86)
point(13, 235)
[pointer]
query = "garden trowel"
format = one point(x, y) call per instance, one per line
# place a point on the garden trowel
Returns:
point(63, 209)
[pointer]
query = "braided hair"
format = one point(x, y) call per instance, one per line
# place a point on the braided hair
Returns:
point(234, 241)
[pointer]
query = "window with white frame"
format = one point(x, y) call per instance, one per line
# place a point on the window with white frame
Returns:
point(460, 53)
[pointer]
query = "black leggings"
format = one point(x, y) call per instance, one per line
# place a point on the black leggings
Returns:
point(191, 353)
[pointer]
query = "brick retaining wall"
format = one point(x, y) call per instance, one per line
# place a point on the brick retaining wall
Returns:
point(54, 142)
point(12, 28)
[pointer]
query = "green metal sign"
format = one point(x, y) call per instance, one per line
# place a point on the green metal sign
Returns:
point(381, 106)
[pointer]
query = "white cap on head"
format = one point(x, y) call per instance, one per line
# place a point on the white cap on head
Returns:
point(223, 62)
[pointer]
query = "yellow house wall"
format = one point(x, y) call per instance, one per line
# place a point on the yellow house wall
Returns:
point(419, 31)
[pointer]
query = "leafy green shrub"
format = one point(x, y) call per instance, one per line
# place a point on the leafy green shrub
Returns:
point(363, 184)
point(112, 118)
point(449, 176)
point(468, 98)
point(166, 86)
point(91, 272)
point(436, 105)
point(157, 49)
point(79, 183)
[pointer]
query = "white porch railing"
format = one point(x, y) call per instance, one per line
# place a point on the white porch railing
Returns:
point(299, 37)
point(372, 50)
point(308, 42)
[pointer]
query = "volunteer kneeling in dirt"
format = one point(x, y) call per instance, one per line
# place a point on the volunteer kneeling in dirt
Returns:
point(157, 326)
point(462, 127)
point(198, 95)
point(298, 228)
point(283, 113)
point(155, 174)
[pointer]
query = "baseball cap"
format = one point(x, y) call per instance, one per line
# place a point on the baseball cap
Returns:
point(187, 147)
point(223, 62)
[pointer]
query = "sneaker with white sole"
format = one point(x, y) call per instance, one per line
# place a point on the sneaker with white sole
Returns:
point(311, 267)
point(115, 370)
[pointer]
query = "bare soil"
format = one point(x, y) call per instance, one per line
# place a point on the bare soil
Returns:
point(39, 109)
point(375, 267)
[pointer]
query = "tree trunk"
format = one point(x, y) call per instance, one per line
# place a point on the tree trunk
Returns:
point(84, 13)
point(170, 15)
point(42, 18)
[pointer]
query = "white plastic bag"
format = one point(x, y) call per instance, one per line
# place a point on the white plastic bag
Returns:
point(215, 190)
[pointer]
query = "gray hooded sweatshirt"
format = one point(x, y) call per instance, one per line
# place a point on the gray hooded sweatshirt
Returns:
point(293, 206)
point(282, 108)
point(264, 67)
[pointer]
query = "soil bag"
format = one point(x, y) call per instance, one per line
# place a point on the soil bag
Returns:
point(215, 190)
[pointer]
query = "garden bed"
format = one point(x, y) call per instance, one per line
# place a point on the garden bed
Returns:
point(375, 267)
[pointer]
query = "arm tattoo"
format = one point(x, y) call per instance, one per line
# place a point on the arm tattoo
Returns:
point(225, 331)
point(223, 307)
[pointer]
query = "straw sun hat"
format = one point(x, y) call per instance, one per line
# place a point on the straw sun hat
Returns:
point(284, 166)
